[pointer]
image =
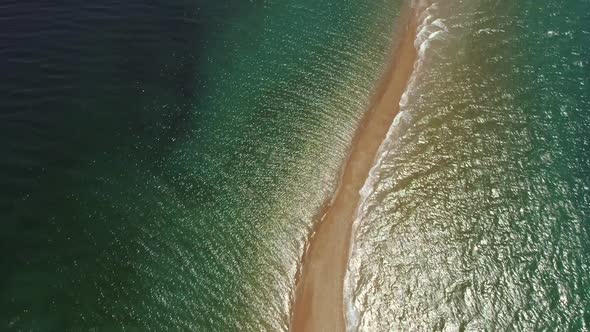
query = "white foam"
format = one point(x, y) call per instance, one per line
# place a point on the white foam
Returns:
point(403, 101)
point(436, 35)
point(440, 23)
point(428, 30)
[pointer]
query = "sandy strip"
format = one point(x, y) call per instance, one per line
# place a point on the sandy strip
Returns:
point(318, 303)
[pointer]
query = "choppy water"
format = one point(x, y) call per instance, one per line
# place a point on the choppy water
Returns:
point(162, 162)
point(477, 216)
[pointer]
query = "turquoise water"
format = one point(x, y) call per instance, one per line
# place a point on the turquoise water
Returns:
point(163, 163)
point(478, 217)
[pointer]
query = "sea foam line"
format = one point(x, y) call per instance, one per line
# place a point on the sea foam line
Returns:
point(429, 29)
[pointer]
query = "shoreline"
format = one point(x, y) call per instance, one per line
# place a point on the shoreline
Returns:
point(318, 302)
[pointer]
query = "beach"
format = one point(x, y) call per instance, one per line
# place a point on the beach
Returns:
point(318, 300)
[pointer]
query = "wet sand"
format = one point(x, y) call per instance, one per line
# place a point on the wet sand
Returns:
point(318, 303)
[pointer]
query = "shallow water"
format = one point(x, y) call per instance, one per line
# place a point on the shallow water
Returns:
point(477, 215)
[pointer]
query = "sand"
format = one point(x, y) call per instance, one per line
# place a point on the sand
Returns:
point(318, 303)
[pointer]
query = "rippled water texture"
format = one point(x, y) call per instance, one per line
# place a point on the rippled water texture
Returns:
point(478, 216)
point(163, 161)
point(162, 164)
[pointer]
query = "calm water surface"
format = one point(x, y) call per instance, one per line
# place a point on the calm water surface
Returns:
point(162, 161)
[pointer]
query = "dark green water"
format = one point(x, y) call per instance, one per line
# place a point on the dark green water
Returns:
point(162, 163)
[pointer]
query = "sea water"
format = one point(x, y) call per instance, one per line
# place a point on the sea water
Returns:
point(476, 215)
point(163, 162)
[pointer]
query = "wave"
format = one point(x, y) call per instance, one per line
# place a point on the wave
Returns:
point(430, 29)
